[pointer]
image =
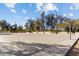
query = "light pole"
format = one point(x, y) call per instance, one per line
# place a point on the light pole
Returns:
point(42, 16)
point(70, 30)
point(55, 16)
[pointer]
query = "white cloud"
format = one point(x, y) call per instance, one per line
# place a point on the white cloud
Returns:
point(71, 14)
point(13, 10)
point(1, 18)
point(71, 8)
point(39, 6)
point(26, 17)
point(17, 16)
point(11, 6)
point(30, 5)
point(68, 14)
point(64, 14)
point(46, 7)
point(33, 18)
point(50, 6)
point(24, 11)
point(76, 5)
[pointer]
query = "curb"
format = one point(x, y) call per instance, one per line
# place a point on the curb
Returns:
point(69, 51)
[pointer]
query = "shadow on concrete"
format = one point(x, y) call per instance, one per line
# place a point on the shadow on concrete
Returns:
point(27, 49)
point(5, 33)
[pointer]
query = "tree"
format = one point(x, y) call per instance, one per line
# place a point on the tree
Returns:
point(14, 28)
point(76, 25)
point(8, 27)
point(26, 25)
point(50, 21)
point(3, 24)
point(41, 24)
point(31, 25)
point(38, 27)
point(20, 27)
point(43, 20)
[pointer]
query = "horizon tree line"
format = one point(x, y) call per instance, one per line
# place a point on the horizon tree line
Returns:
point(50, 22)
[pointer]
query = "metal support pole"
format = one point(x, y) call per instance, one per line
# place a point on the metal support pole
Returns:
point(70, 30)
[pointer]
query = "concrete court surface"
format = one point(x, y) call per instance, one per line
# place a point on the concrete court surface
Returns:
point(33, 44)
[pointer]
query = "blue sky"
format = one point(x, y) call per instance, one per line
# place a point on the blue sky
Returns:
point(20, 12)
